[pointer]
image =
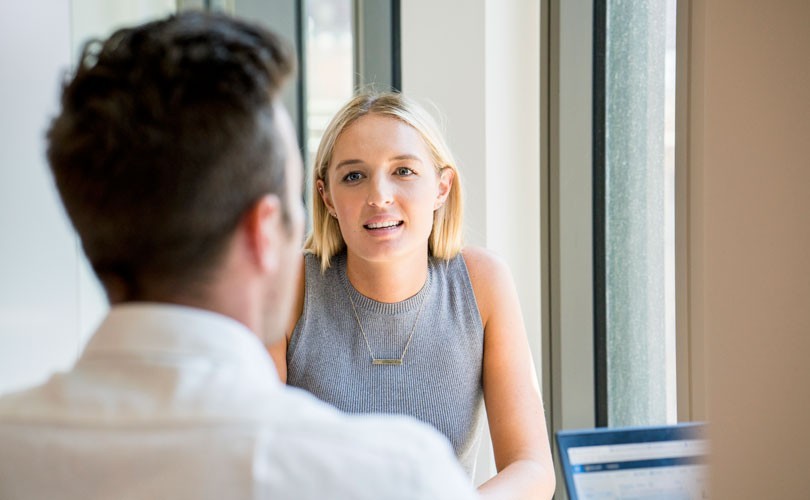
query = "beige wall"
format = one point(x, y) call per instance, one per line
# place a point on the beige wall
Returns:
point(749, 230)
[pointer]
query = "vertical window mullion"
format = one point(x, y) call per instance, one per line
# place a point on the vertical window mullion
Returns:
point(377, 52)
point(598, 179)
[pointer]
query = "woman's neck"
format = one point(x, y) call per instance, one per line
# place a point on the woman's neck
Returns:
point(388, 282)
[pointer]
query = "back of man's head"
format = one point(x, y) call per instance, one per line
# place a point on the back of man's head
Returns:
point(166, 136)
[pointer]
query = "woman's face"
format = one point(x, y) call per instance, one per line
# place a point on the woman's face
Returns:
point(384, 188)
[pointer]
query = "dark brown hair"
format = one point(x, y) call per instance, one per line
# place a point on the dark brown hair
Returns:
point(166, 136)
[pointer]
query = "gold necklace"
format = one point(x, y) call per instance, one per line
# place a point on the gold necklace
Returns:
point(387, 361)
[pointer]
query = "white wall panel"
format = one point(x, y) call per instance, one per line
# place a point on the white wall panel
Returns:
point(43, 317)
point(478, 62)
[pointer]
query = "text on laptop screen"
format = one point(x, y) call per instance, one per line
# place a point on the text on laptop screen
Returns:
point(640, 463)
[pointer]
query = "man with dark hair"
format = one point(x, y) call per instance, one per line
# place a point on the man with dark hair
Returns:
point(179, 170)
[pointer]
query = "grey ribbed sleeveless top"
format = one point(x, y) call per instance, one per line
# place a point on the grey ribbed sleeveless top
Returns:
point(440, 379)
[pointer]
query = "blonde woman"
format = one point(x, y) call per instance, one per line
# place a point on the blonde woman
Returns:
point(394, 315)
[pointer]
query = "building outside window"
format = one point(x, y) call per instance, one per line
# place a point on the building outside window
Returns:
point(636, 246)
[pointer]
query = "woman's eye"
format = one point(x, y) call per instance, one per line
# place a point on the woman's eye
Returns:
point(352, 177)
point(404, 171)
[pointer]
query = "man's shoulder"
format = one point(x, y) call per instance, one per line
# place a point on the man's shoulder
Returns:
point(26, 403)
point(306, 417)
point(385, 453)
point(293, 441)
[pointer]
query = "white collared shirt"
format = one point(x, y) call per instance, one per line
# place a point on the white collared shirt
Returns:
point(173, 402)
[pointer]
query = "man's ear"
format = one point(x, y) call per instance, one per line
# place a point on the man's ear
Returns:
point(446, 178)
point(264, 226)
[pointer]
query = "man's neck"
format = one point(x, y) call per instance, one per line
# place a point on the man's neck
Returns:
point(219, 298)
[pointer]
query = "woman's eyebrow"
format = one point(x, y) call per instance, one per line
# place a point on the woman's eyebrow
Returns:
point(353, 161)
point(347, 163)
point(406, 157)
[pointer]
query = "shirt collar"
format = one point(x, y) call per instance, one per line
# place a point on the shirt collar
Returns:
point(143, 329)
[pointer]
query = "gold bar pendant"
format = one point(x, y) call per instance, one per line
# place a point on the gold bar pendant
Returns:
point(386, 361)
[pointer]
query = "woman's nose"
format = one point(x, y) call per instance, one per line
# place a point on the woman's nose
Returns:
point(380, 192)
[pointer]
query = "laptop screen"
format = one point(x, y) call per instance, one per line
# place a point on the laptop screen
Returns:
point(668, 462)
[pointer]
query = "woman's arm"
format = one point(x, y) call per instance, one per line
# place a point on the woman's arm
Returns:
point(278, 351)
point(514, 407)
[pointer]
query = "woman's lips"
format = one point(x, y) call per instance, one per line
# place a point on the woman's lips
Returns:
point(389, 224)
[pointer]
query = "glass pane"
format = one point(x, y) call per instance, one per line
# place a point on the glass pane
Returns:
point(639, 226)
point(329, 64)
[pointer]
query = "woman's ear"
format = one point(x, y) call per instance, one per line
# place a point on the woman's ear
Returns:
point(327, 200)
point(446, 177)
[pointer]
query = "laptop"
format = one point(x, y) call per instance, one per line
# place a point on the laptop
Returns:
point(635, 463)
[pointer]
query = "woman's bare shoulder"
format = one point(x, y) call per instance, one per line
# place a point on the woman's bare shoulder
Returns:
point(490, 278)
point(483, 264)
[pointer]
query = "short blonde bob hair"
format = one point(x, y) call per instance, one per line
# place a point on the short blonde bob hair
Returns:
point(445, 239)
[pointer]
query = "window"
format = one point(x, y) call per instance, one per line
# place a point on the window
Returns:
point(350, 44)
point(634, 128)
point(329, 64)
